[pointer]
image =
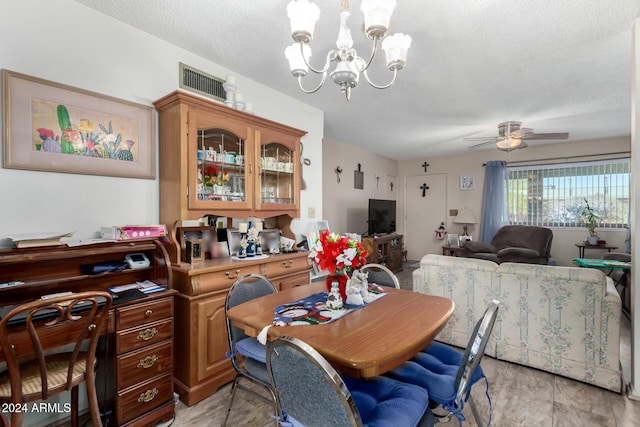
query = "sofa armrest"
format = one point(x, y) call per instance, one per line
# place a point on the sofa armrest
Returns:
point(519, 252)
point(480, 247)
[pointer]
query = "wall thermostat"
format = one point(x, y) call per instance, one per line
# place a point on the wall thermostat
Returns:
point(194, 250)
point(138, 260)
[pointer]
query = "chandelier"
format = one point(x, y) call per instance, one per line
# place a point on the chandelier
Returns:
point(377, 13)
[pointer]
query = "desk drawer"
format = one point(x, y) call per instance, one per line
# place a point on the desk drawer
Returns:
point(221, 280)
point(143, 364)
point(281, 267)
point(138, 314)
point(143, 398)
point(147, 334)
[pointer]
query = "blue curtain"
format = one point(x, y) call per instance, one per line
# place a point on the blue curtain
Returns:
point(494, 207)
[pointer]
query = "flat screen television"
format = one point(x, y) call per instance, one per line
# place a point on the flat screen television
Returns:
point(382, 216)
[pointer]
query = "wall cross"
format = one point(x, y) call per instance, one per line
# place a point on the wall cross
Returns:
point(424, 187)
point(425, 165)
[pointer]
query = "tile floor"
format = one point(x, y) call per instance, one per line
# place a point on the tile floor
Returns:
point(520, 396)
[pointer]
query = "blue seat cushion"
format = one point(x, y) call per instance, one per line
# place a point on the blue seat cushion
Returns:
point(250, 347)
point(382, 401)
point(435, 369)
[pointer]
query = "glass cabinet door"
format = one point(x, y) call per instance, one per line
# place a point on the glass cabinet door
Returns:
point(219, 172)
point(279, 178)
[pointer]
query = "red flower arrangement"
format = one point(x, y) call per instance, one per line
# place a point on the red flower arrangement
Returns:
point(337, 254)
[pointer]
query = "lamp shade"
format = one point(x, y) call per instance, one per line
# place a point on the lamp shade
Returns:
point(395, 50)
point(303, 16)
point(465, 216)
point(297, 63)
point(509, 143)
point(377, 14)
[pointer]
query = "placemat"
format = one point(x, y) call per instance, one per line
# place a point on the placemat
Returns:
point(312, 310)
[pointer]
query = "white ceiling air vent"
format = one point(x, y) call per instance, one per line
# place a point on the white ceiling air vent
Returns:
point(202, 83)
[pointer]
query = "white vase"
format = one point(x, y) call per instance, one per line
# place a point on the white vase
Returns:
point(592, 240)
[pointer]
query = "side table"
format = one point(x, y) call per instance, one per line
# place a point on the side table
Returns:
point(582, 246)
point(453, 250)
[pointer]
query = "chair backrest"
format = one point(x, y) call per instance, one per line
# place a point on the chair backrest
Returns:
point(381, 275)
point(307, 387)
point(525, 236)
point(31, 328)
point(245, 289)
point(474, 351)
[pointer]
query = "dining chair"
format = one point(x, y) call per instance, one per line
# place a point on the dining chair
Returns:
point(252, 365)
point(448, 374)
point(380, 275)
point(312, 393)
point(34, 371)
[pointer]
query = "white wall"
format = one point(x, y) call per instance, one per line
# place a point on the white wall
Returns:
point(346, 207)
point(68, 43)
point(563, 248)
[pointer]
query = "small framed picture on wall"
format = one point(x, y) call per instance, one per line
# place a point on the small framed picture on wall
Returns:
point(467, 182)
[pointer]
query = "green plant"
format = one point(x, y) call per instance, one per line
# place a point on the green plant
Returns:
point(590, 218)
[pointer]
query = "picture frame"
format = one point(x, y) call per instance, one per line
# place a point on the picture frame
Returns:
point(467, 182)
point(102, 135)
point(454, 241)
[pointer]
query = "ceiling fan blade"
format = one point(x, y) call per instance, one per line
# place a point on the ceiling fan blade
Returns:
point(482, 138)
point(558, 135)
point(521, 132)
point(482, 144)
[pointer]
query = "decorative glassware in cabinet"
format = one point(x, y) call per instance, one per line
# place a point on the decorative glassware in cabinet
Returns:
point(276, 165)
point(221, 166)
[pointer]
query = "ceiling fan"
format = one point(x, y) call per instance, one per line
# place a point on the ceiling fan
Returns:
point(512, 137)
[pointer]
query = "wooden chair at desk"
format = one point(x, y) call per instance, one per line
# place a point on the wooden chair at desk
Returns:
point(28, 330)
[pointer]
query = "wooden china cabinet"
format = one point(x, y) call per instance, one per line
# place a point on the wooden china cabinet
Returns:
point(216, 160)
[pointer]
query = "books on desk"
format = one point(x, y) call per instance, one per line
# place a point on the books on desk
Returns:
point(32, 240)
point(147, 287)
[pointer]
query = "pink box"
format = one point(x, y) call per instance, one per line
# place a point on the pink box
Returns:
point(127, 232)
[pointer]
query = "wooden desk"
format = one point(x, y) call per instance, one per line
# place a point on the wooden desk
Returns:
point(364, 343)
point(583, 246)
point(136, 330)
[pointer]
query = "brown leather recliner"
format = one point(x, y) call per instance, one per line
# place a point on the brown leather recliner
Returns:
point(514, 243)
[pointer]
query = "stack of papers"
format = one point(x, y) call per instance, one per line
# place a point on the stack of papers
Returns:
point(32, 240)
point(147, 287)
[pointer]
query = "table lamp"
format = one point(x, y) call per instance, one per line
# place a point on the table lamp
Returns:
point(466, 217)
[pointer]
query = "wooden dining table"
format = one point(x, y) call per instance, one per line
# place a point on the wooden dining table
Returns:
point(364, 343)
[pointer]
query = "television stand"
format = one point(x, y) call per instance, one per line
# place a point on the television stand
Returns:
point(385, 249)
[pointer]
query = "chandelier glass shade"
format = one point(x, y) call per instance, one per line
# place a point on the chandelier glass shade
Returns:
point(303, 16)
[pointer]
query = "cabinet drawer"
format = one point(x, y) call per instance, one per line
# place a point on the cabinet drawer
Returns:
point(139, 314)
point(140, 365)
point(221, 280)
point(147, 334)
point(143, 398)
point(280, 267)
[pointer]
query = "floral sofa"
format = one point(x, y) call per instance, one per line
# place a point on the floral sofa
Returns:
point(564, 320)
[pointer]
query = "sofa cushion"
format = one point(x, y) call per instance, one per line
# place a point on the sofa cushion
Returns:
point(480, 247)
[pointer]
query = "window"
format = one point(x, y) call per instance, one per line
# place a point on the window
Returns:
point(554, 195)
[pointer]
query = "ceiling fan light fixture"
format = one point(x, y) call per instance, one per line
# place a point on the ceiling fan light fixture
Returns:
point(508, 144)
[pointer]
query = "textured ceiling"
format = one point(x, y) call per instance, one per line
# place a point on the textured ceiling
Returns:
point(557, 66)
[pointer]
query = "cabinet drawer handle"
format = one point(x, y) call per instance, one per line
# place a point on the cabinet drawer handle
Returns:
point(148, 313)
point(230, 276)
point(147, 334)
point(148, 395)
point(287, 264)
point(147, 362)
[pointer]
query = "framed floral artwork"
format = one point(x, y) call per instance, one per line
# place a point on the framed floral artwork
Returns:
point(467, 182)
point(57, 128)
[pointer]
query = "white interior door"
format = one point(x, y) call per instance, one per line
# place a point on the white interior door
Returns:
point(423, 214)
